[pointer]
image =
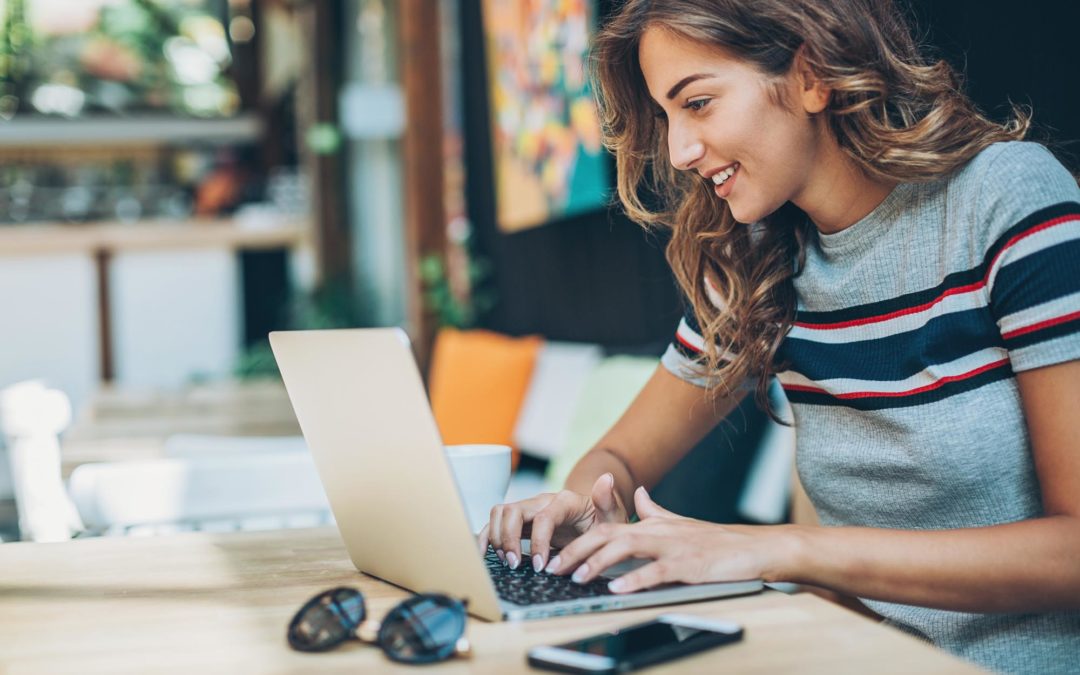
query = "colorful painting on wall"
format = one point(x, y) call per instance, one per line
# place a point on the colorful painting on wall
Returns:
point(549, 161)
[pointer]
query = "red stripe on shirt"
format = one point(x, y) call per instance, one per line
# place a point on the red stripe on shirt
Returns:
point(897, 394)
point(1040, 325)
point(686, 344)
point(952, 291)
point(892, 315)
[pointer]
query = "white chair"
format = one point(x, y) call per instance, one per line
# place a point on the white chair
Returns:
point(228, 492)
point(31, 417)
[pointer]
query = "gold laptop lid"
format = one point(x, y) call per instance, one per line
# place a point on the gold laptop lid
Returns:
point(365, 416)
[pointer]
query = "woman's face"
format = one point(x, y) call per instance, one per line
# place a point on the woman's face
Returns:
point(723, 124)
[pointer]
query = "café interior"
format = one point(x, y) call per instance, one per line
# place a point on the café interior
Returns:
point(181, 178)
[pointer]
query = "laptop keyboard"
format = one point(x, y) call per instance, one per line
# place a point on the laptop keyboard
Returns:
point(523, 586)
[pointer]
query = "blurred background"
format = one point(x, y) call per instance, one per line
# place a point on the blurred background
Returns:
point(180, 177)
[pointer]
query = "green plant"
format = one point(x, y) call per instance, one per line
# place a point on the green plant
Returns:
point(332, 305)
point(456, 309)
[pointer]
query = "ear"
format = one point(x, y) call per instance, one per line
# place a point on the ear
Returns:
point(813, 94)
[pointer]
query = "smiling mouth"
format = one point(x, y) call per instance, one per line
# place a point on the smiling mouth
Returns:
point(721, 177)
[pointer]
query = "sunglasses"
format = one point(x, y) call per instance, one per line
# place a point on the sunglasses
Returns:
point(423, 629)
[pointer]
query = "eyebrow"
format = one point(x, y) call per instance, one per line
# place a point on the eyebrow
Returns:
point(685, 81)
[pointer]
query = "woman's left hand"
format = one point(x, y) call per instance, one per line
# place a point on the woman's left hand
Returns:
point(681, 550)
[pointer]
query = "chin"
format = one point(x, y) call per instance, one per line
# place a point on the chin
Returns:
point(748, 214)
point(744, 215)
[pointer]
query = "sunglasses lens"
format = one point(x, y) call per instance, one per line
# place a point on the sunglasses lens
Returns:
point(423, 629)
point(326, 620)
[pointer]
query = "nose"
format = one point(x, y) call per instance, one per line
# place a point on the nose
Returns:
point(684, 148)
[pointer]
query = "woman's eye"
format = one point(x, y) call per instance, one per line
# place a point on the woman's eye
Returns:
point(697, 104)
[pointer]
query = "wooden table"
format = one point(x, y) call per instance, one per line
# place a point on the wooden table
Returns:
point(132, 424)
point(220, 603)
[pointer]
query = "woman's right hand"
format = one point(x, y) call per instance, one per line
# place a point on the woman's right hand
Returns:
point(550, 519)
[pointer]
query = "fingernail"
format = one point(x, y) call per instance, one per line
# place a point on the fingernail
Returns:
point(616, 585)
point(502, 556)
point(553, 565)
point(538, 563)
point(512, 559)
point(580, 573)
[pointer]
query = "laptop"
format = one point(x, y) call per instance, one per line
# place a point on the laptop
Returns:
point(364, 413)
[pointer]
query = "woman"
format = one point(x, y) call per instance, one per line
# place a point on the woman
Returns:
point(845, 220)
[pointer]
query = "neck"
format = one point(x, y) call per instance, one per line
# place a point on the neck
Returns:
point(839, 194)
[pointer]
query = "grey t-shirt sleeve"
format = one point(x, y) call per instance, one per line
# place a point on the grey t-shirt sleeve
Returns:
point(1029, 205)
point(683, 357)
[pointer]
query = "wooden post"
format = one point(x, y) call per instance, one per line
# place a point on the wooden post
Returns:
point(425, 211)
point(105, 347)
point(316, 96)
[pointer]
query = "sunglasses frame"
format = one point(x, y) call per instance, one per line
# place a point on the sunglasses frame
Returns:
point(382, 639)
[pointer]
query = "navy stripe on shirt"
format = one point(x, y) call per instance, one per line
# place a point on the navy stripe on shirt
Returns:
point(895, 357)
point(956, 282)
point(941, 390)
point(1037, 278)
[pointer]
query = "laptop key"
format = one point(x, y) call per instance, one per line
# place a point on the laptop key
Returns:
point(524, 586)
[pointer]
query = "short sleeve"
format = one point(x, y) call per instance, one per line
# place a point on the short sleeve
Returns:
point(683, 357)
point(1031, 205)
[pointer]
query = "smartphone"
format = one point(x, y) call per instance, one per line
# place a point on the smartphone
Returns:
point(667, 637)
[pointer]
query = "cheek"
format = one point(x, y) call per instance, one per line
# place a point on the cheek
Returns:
point(778, 161)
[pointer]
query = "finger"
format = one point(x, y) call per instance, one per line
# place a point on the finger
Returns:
point(512, 521)
point(564, 507)
point(647, 508)
point(482, 539)
point(495, 530)
point(604, 498)
point(543, 527)
point(622, 547)
point(577, 551)
point(646, 576)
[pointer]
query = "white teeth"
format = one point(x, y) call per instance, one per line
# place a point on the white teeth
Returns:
point(721, 177)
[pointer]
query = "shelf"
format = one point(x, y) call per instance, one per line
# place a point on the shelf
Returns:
point(53, 238)
point(29, 132)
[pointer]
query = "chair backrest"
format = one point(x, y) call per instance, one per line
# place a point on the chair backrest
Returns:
point(477, 383)
point(607, 392)
point(234, 490)
point(558, 379)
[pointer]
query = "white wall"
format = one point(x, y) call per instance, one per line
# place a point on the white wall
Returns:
point(175, 315)
point(49, 322)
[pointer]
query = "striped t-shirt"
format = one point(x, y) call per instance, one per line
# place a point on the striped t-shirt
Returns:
point(900, 369)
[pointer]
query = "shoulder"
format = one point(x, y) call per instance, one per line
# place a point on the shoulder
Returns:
point(1010, 183)
point(1016, 170)
point(1023, 157)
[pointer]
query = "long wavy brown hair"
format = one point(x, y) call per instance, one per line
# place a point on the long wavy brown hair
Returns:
point(897, 114)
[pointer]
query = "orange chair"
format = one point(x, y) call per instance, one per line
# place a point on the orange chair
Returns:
point(477, 383)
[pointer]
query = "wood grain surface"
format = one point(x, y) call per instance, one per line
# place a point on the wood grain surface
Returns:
point(209, 603)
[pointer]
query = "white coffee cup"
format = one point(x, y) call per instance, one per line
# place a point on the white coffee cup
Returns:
point(482, 473)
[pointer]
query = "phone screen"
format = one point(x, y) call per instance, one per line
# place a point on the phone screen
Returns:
point(637, 642)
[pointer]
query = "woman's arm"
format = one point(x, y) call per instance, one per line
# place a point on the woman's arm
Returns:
point(1027, 566)
point(666, 419)
point(663, 423)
